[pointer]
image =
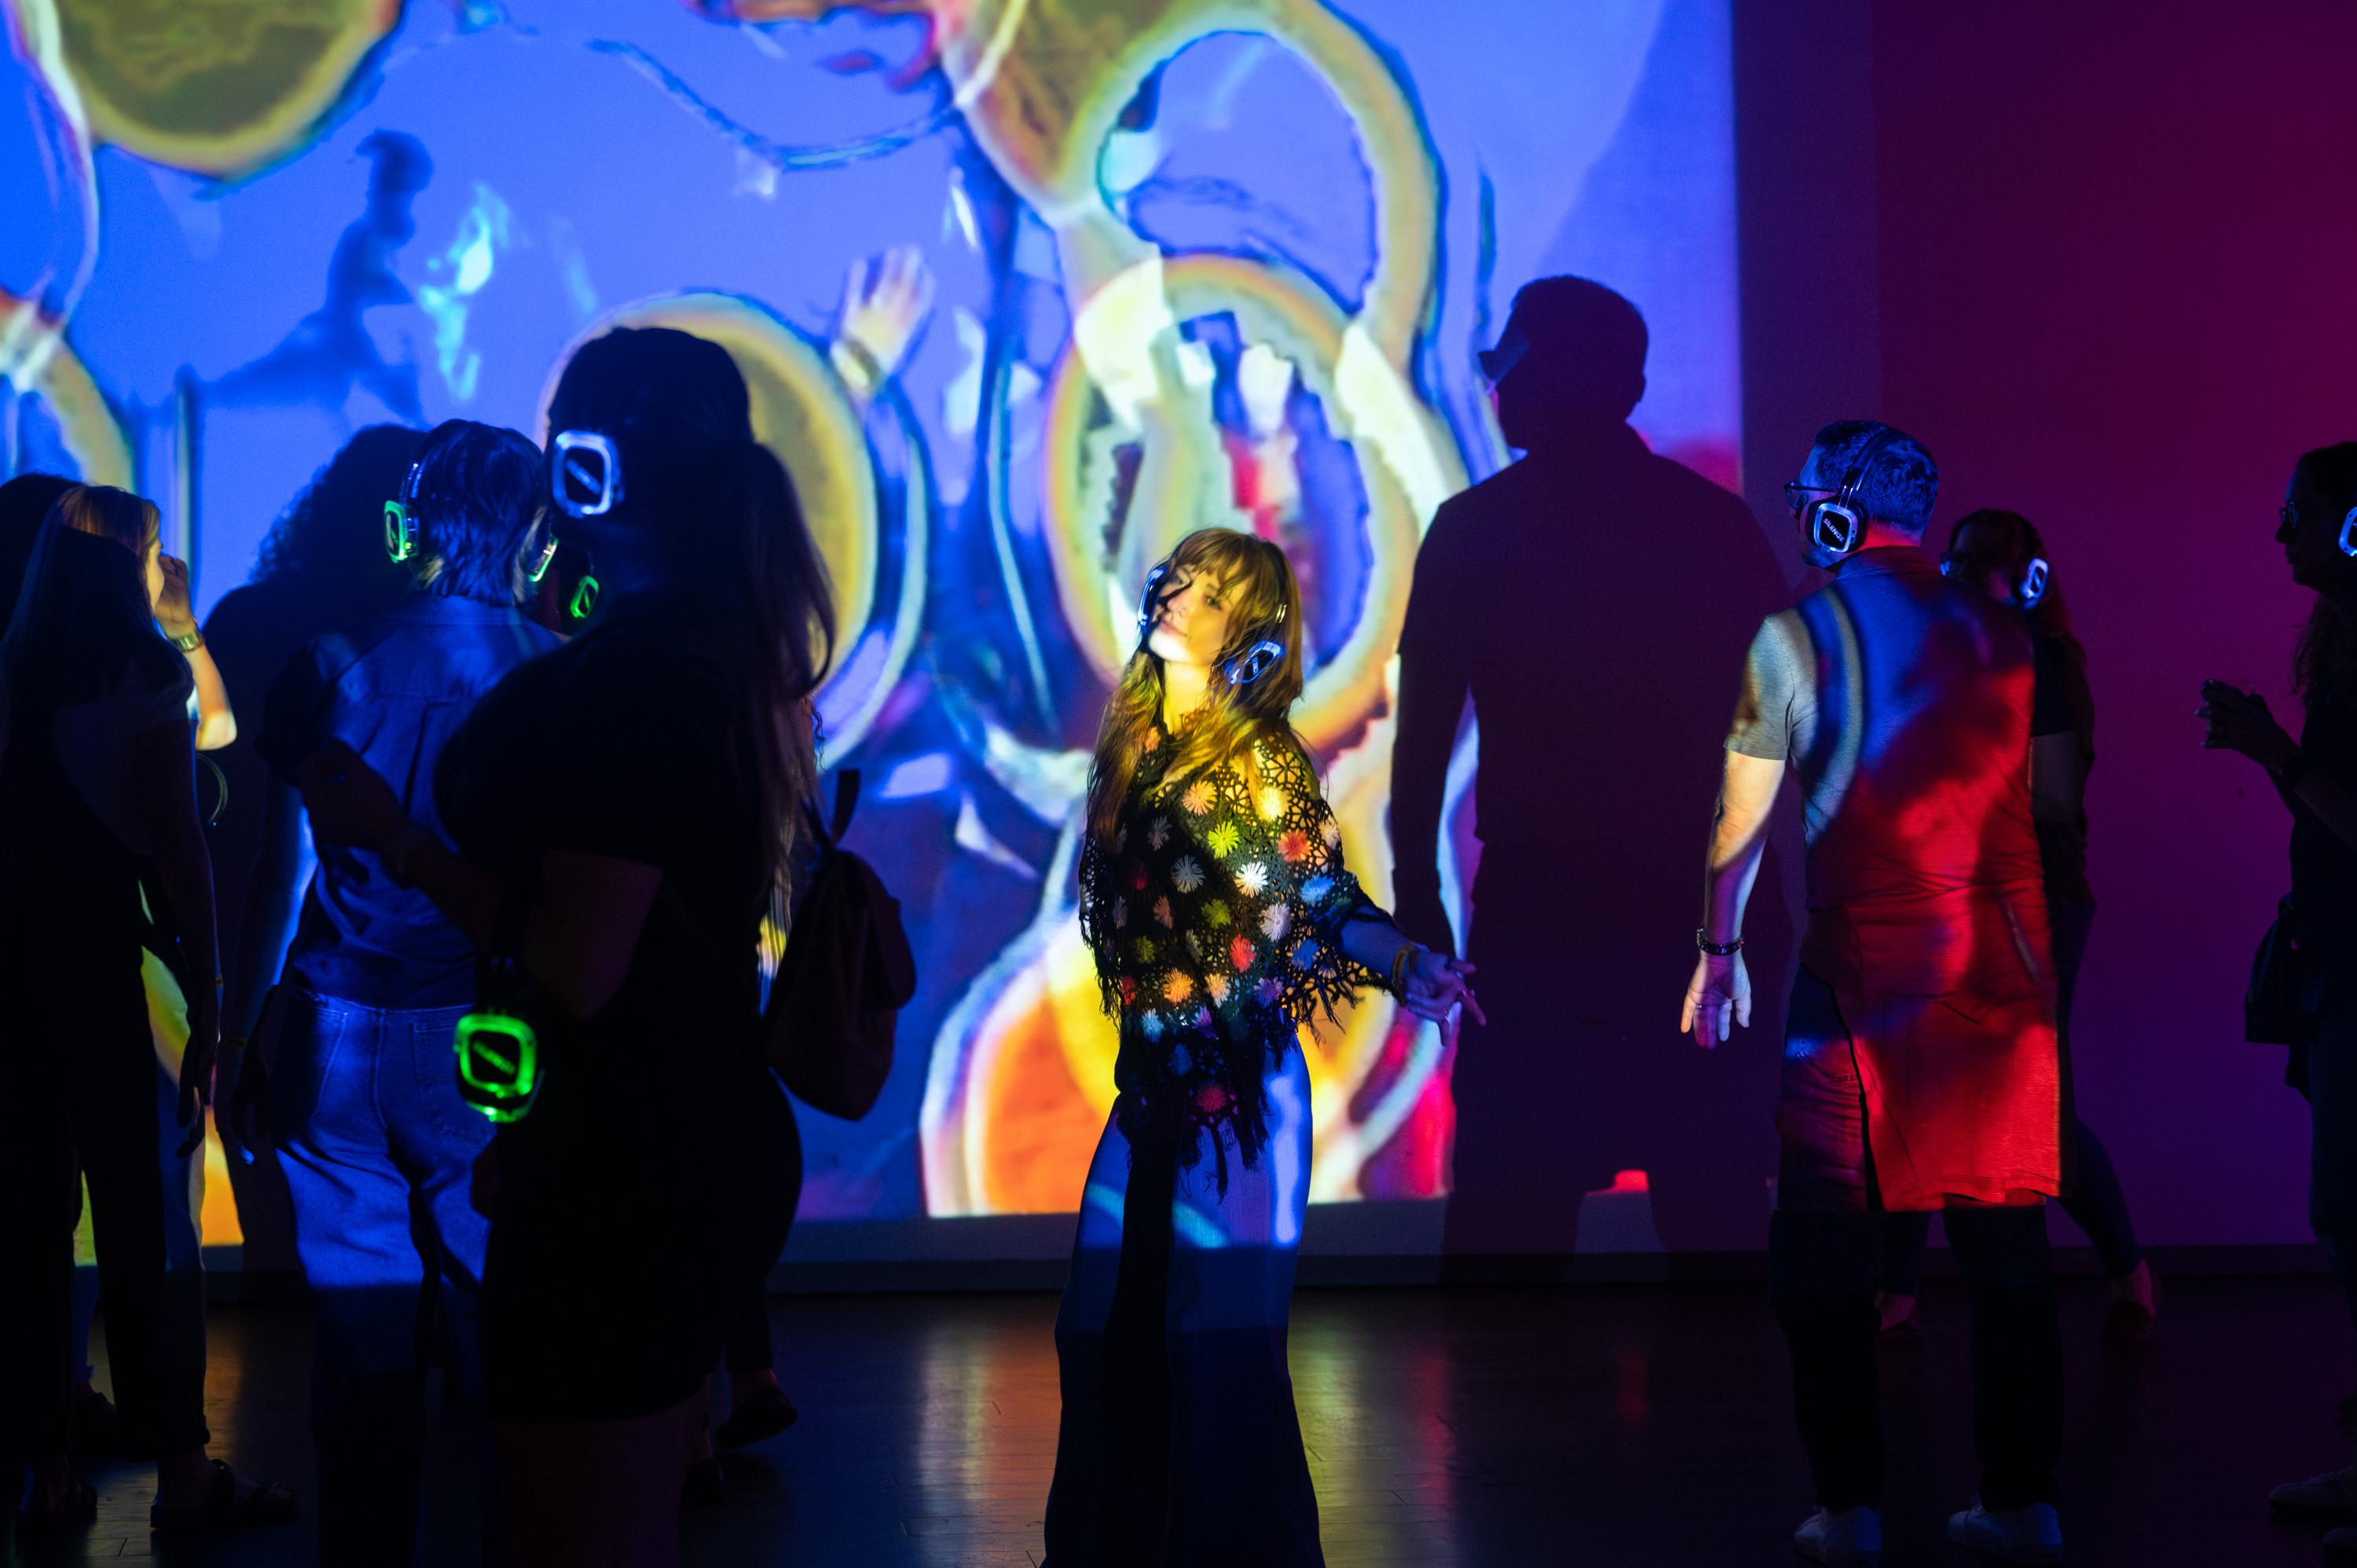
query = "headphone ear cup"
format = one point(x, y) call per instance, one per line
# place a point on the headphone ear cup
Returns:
point(1827, 515)
point(400, 532)
point(1257, 661)
point(2033, 587)
point(2348, 533)
point(1149, 599)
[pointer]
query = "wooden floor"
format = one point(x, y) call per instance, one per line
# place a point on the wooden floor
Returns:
point(1599, 1424)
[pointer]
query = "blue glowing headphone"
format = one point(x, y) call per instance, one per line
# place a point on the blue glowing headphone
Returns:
point(2348, 533)
point(2028, 582)
point(1255, 662)
point(401, 516)
point(585, 473)
point(1836, 525)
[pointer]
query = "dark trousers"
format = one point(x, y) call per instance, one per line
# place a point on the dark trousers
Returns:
point(82, 1104)
point(1825, 1259)
point(379, 1150)
point(2333, 1112)
point(1821, 1269)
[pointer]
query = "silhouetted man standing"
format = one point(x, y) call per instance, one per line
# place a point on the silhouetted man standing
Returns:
point(1920, 1068)
point(1589, 601)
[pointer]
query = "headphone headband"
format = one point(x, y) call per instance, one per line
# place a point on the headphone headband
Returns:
point(1841, 510)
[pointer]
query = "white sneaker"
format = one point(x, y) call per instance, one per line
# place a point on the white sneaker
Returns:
point(2335, 1491)
point(1852, 1536)
point(2033, 1534)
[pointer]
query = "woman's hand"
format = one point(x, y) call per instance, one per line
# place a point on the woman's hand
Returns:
point(245, 1123)
point(2239, 721)
point(172, 609)
point(197, 1065)
point(1436, 985)
point(347, 803)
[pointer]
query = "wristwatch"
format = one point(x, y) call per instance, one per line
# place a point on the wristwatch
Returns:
point(1716, 950)
point(190, 640)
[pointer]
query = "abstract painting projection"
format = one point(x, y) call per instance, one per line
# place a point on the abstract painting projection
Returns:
point(1025, 289)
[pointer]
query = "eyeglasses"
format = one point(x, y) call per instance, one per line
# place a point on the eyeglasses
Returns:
point(2287, 515)
point(1796, 494)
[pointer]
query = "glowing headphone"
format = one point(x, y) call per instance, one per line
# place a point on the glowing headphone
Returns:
point(1255, 662)
point(2028, 583)
point(1841, 511)
point(585, 473)
point(400, 521)
point(2348, 533)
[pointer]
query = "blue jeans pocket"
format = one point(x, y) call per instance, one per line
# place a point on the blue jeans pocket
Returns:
point(434, 1069)
point(311, 1038)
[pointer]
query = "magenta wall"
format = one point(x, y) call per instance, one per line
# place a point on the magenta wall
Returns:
point(2115, 248)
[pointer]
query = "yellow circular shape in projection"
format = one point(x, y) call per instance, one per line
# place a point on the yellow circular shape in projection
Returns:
point(803, 414)
point(1279, 307)
point(217, 87)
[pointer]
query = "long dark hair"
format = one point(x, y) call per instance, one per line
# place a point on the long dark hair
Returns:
point(83, 624)
point(331, 535)
point(25, 501)
point(722, 514)
point(1265, 605)
point(2324, 659)
point(2008, 541)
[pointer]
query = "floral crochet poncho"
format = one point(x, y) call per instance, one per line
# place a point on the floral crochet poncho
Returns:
point(1216, 917)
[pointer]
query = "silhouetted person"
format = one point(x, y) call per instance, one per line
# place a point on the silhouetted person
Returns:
point(1589, 600)
point(323, 568)
point(2316, 777)
point(98, 833)
point(1920, 1068)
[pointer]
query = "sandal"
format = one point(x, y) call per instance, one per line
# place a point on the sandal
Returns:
point(76, 1505)
point(266, 1503)
point(764, 1415)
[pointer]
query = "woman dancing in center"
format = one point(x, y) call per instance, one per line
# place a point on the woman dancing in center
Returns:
point(1215, 896)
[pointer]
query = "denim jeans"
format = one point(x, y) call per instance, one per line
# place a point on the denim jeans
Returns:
point(379, 1150)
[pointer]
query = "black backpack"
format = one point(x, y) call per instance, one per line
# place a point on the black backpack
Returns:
point(846, 973)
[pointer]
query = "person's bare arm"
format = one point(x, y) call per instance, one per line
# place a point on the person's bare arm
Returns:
point(1719, 995)
point(1434, 682)
point(581, 931)
point(216, 723)
point(272, 898)
point(165, 787)
point(2243, 723)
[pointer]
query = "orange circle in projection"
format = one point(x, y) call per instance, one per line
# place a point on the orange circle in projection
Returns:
point(217, 87)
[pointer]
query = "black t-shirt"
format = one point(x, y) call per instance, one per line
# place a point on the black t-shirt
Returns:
point(2323, 865)
point(2061, 694)
point(619, 744)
